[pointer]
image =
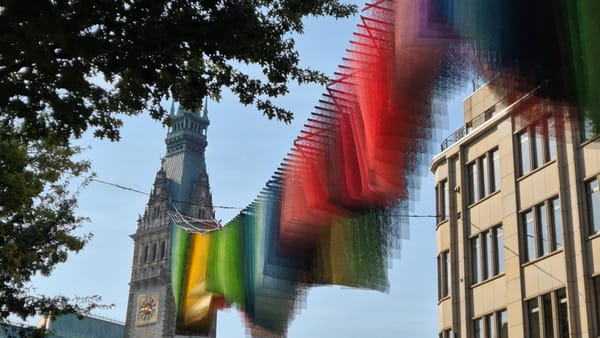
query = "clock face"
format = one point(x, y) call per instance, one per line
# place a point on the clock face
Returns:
point(147, 309)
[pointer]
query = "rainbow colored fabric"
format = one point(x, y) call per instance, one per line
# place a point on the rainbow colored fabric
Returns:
point(329, 214)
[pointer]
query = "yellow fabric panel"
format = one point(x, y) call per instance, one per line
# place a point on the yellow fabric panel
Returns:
point(340, 254)
point(196, 301)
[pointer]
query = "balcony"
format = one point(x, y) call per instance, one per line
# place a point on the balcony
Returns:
point(467, 128)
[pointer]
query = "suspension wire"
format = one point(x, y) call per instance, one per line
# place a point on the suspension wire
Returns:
point(119, 186)
point(534, 263)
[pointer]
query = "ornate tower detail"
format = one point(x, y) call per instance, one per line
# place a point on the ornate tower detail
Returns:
point(181, 186)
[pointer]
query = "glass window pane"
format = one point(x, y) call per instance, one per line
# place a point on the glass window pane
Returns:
point(440, 277)
point(500, 249)
point(530, 234)
point(539, 147)
point(503, 317)
point(443, 274)
point(593, 206)
point(476, 266)
point(163, 250)
point(146, 253)
point(473, 182)
point(485, 189)
point(543, 228)
point(524, 151)
point(495, 170)
point(534, 318)
point(490, 326)
point(563, 318)
point(446, 257)
point(154, 251)
point(557, 224)
point(597, 294)
point(478, 328)
point(446, 200)
point(489, 270)
point(588, 128)
point(438, 203)
point(551, 139)
point(548, 322)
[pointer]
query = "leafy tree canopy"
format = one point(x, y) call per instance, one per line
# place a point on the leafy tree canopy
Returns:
point(67, 66)
point(54, 52)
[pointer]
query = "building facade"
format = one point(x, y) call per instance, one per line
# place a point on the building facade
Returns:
point(181, 187)
point(518, 220)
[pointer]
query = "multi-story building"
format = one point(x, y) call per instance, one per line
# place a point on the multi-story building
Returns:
point(518, 226)
point(181, 187)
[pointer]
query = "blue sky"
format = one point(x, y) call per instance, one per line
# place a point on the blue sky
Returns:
point(244, 149)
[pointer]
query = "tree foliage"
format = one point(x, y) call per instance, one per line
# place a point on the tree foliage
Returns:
point(67, 66)
point(80, 61)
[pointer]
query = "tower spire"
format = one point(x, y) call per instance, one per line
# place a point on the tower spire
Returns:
point(205, 115)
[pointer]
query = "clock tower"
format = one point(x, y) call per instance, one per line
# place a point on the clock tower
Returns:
point(181, 186)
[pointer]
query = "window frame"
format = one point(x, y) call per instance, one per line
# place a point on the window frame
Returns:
point(444, 277)
point(544, 225)
point(487, 254)
point(483, 176)
point(145, 253)
point(596, 292)
point(537, 143)
point(592, 207)
point(446, 333)
point(442, 201)
point(163, 250)
point(550, 315)
point(490, 325)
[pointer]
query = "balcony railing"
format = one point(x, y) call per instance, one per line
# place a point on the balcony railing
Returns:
point(467, 128)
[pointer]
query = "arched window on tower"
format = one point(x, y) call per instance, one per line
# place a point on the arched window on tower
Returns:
point(163, 250)
point(145, 254)
point(154, 249)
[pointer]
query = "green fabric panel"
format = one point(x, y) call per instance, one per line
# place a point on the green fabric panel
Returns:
point(355, 254)
point(225, 265)
point(584, 28)
point(179, 247)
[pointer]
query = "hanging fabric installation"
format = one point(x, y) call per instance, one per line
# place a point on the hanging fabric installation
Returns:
point(332, 212)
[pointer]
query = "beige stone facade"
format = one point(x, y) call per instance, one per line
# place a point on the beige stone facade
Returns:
point(518, 228)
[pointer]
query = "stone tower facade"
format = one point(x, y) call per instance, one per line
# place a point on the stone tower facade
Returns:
point(181, 186)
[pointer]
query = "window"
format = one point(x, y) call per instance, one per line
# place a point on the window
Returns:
point(547, 315)
point(478, 328)
point(495, 170)
point(154, 251)
point(145, 253)
point(163, 250)
point(444, 274)
point(525, 152)
point(490, 326)
point(597, 302)
point(537, 145)
point(542, 229)
point(443, 199)
point(503, 324)
point(593, 202)
point(494, 325)
point(563, 315)
point(533, 312)
point(474, 182)
point(476, 260)
point(587, 132)
point(483, 176)
point(447, 333)
point(487, 254)
point(556, 222)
